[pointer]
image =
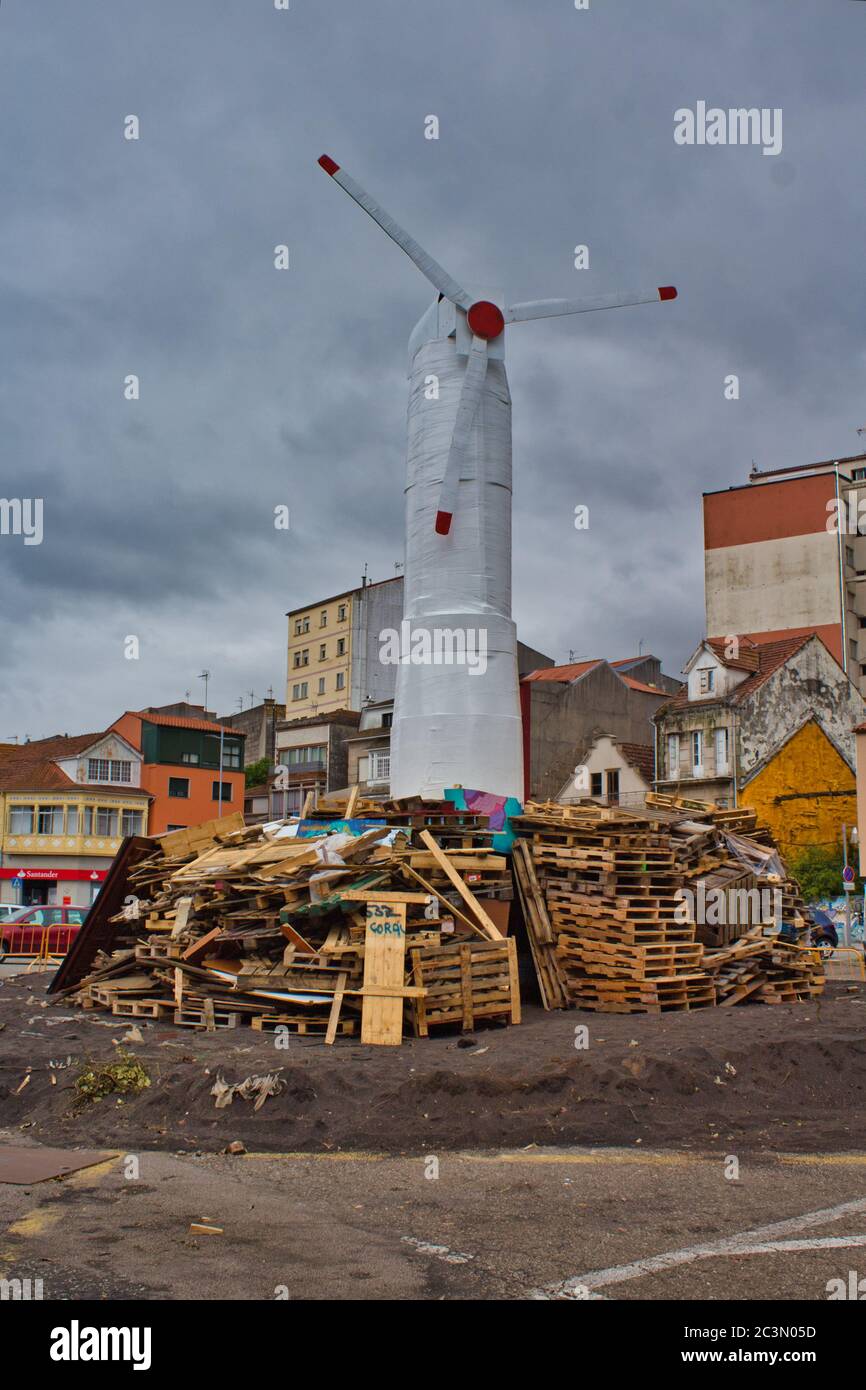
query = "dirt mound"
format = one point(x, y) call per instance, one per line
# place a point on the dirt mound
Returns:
point(780, 1078)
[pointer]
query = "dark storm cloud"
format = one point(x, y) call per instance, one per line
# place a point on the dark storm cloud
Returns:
point(260, 388)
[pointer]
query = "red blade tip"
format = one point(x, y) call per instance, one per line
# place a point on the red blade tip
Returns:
point(328, 165)
point(443, 523)
point(665, 291)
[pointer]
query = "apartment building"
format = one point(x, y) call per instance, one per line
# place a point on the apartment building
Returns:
point(193, 768)
point(767, 724)
point(312, 756)
point(66, 804)
point(785, 554)
point(333, 650)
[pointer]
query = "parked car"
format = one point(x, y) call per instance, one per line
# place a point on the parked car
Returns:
point(31, 929)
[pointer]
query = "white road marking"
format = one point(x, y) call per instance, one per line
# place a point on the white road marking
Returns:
point(758, 1241)
point(441, 1252)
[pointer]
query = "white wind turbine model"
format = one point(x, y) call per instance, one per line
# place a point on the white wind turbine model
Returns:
point(459, 724)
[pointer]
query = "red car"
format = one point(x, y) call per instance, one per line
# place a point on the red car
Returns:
point(51, 930)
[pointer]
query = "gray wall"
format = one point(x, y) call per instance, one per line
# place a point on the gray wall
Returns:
point(376, 607)
point(564, 720)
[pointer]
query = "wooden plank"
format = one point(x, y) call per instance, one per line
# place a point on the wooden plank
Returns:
point(334, 1016)
point(309, 802)
point(466, 986)
point(200, 947)
point(353, 801)
point(488, 926)
point(384, 956)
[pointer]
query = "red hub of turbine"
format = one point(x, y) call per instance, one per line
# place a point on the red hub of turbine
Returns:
point(485, 319)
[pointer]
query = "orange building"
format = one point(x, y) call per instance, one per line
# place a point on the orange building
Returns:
point(189, 775)
point(785, 555)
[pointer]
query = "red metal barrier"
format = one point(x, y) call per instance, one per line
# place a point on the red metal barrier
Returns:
point(37, 943)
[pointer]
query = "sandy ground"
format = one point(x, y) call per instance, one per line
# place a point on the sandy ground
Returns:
point(766, 1078)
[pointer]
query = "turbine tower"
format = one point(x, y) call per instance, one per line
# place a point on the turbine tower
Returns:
point(458, 723)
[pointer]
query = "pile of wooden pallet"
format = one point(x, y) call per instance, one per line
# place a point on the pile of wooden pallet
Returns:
point(359, 933)
point(612, 929)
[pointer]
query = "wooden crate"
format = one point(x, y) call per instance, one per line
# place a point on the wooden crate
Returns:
point(464, 981)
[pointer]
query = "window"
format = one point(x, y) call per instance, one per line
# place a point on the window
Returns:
point(21, 820)
point(191, 758)
point(72, 820)
point(849, 555)
point(105, 770)
point(613, 786)
point(321, 685)
point(707, 681)
point(388, 719)
point(301, 757)
point(75, 917)
point(131, 822)
point(323, 618)
point(232, 756)
point(106, 821)
point(341, 680)
point(50, 820)
point(178, 786)
point(595, 784)
point(341, 646)
point(87, 825)
point(175, 827)
point(721, 742)
point(341, 613)
point(215, 791)
point(299, 692)
point(323, 652)
point(298, 627)
point(302, 625)
point(380, 767)
point(673, 755)
point(697, 752)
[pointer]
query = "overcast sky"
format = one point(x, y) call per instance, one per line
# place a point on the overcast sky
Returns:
point(261, 387)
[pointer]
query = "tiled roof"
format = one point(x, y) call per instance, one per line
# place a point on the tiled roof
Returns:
point(642, 685)
point(176, 721)
point(640, 756)
point(57, 746)
point(770, 656)
point(563, 673)
point(747, 654)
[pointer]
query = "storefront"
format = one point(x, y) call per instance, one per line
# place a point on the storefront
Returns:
point(27, 885)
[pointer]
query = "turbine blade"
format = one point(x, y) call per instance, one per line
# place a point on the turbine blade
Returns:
point(551, 308)
point(470, 395)
point(434, 272)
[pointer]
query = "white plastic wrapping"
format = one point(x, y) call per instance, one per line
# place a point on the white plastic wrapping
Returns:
point(457, 722)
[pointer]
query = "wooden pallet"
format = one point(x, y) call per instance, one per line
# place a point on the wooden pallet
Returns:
point(269, 1023)
point(464, 982)
point(539, 929)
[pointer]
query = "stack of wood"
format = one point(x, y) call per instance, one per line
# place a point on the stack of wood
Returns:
point(363, 933)
point(609, 897)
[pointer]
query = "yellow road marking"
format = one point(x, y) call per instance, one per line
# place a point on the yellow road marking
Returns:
point(42, 1218)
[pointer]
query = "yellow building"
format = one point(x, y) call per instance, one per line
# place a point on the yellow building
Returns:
point(65, 806)
point(805, 791)
point(320, 657)
point(333, 650)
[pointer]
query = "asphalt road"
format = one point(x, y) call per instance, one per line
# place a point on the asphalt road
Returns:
point(563, 1224)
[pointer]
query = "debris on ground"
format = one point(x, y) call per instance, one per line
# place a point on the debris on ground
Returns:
point(370, 927)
